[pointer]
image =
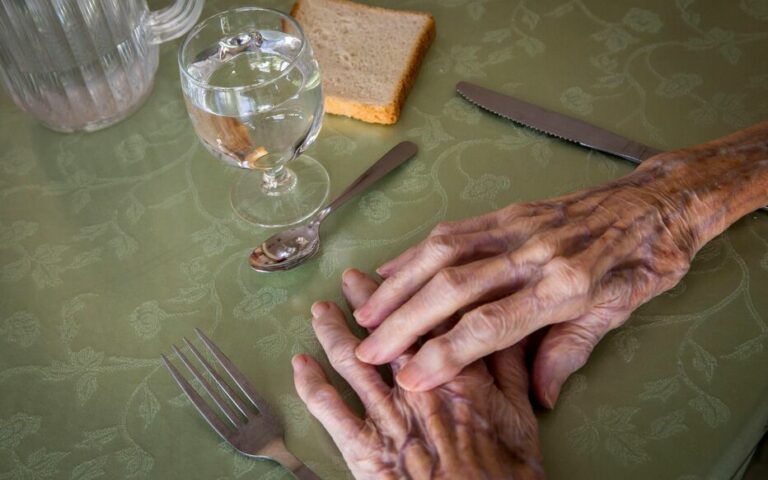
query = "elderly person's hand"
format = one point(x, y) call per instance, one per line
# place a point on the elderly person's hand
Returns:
point(474, 426)
point(579, 264)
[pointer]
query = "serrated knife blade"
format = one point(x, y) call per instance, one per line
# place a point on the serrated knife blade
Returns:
point(555, 124)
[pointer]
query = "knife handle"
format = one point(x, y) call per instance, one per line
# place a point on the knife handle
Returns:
point(644, 152)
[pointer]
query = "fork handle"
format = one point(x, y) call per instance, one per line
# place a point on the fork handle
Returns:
point(277, 451)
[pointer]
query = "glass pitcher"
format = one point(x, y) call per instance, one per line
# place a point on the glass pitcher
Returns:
point(85, 64)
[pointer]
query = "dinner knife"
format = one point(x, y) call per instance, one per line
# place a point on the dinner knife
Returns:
point(557, 124)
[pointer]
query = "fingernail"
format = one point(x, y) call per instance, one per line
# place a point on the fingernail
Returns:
point(366, 351)
point(298, 361)
point(550, 395)
point(318, 308)
point(383, 271)
point(349, 276)
point(362, 314)
point(410, 377)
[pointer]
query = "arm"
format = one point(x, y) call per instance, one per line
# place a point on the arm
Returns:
point(714, 184)
point(579, 264)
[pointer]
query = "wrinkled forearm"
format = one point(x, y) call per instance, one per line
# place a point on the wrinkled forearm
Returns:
point(710, 186)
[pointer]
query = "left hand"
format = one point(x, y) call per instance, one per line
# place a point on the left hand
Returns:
point(578, 264)
point(474, 426)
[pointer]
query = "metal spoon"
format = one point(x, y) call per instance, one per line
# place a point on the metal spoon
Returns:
point(292, 247)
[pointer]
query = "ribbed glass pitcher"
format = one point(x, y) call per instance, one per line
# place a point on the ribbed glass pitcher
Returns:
point(85, 64)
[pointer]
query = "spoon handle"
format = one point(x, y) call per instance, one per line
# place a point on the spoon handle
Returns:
point(391, 160)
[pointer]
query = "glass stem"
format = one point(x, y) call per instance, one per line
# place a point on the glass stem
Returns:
point(278, 181)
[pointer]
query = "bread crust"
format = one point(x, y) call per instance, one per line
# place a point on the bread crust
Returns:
point(376, 113)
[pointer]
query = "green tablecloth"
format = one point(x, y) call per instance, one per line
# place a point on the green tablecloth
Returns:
point(114, 245)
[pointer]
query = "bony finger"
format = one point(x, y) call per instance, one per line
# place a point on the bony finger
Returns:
point(339, 344)
point(387, 269)
point(390, 340)
point(488, 221)
point(358, 287)
point(318, 309)
point(402, 330)
point(331, 329)
point(507, 321)
point(433, 365)
point(449, 291)
point(324, 402)
point(482, 331)
point(432, 255)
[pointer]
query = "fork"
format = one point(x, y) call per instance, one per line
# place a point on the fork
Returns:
point(250, 427)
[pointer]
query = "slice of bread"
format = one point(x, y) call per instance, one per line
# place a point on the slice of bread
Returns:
point(368, 56)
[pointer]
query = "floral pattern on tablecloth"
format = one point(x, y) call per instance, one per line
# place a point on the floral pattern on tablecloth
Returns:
point(115, 245)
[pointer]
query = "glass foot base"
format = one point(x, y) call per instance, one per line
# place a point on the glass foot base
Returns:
point(282, 208)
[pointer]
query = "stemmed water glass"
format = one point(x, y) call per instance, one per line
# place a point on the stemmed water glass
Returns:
point(252, 88)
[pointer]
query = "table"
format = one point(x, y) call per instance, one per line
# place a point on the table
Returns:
point(114, 245)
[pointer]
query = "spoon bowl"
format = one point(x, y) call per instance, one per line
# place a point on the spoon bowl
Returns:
point(287, 249)
point(293, 246)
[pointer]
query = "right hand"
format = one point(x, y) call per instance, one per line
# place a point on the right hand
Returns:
point(475, 426)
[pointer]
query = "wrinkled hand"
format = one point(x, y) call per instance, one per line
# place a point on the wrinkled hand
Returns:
point(579, 264)
point(470, 427)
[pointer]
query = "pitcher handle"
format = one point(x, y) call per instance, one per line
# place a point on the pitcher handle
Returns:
point(174, 21)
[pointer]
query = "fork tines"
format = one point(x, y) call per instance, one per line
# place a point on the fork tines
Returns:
point(245, 409)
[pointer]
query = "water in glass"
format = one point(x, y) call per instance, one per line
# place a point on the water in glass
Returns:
point(256, 108)
point(252, 88)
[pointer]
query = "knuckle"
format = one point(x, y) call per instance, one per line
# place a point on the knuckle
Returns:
point(441, 246)
point(564, 278)
point(487, 326)
point(538, 249)
point(511, 262)
point(342, 355)
point(442, 228)
point(395, 280)
point(322, 397)
point(442, 350)
point(515, 211)
point(449, 280)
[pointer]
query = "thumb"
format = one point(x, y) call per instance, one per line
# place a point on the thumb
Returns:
point(566, 348)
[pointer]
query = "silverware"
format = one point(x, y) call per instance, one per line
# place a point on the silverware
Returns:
point(557, 124)
point(292, 247)
point(244, 419)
